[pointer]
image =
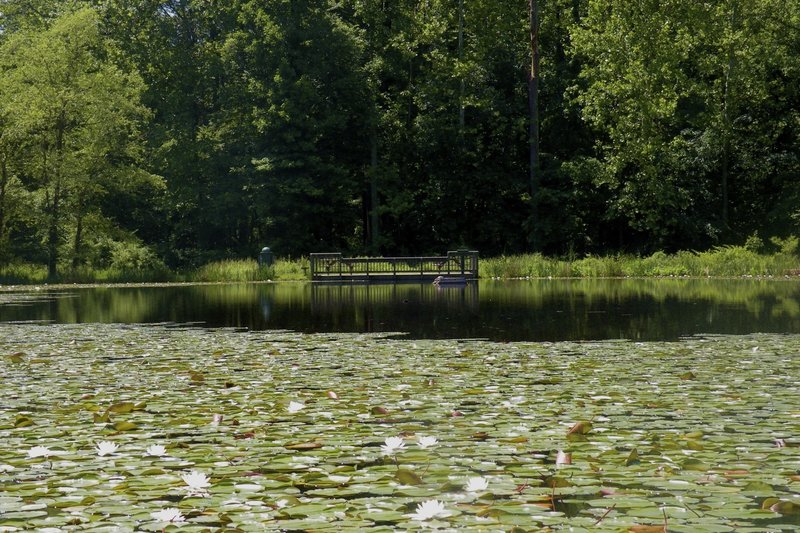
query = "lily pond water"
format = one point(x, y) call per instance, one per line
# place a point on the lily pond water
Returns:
point(112, 424)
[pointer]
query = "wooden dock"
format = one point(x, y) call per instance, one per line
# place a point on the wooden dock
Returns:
point(333, 268)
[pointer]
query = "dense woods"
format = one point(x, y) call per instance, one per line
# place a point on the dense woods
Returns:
point(184, 131)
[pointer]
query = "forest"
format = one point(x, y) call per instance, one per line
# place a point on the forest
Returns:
point(179, 132)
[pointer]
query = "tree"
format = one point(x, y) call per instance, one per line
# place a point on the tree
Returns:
point(78, 115)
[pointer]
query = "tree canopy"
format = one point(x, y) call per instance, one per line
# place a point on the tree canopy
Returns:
point(203, 129)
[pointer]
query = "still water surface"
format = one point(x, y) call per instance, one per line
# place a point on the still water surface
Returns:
point(542, 310)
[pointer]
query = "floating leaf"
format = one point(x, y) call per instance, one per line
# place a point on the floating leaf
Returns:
point(122, 407)
point(687, 376)
point(579, 431)
point(312, 445)
point(23, 421)
point(695, 464)
point(18, 357)
point(407, 477)
point(125, 425)
point(785, 507)
point(633, 458)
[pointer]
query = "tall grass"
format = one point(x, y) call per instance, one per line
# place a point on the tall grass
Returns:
point(726, 261)
point(23, 274)
point(234, 270)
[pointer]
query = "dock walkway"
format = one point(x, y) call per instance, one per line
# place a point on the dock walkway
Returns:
point(332, 267)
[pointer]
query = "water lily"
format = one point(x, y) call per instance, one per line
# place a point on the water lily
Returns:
point(106, 447)
point(156, 450)
point(429, 509)
point(170, 514)
point(197, 482)
point(294, 407)
point(6, 468)
point(392, 445)
point(40, 451)
point(427, 442)
point(476, 484)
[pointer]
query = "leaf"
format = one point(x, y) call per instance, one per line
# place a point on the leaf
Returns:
point(378, 410)
point(124, 425)
point(407, 477)
point(23, 421)
point(16, 357)
point(769, 502)
point(648, 529)
point(695, 465)
point(579, 431)
point(785, 508)
point(633, 458)
point(687, 376)
point(312, 445)
point(122, 407)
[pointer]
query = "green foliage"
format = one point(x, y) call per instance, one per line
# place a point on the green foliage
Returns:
point(210, 129)
point(243, 270)
point(126, 256)
point(22, 274)
point(724, 261)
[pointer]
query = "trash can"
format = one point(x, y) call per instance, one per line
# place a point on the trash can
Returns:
point(266, 257)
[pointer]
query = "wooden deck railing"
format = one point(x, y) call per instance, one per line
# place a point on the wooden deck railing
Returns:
point(334, 267)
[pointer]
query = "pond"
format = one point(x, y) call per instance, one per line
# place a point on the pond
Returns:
point(502, 311)
point(640, 406)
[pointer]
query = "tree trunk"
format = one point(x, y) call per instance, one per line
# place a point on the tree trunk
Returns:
point(77, 244)
point(533, 109)
point(52, 233)
point(3, 187)
point(373, 194)
point(460, 60)
point(727, 121)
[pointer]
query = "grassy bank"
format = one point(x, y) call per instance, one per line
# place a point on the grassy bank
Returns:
point(235, 270)
point(729, 261)
point(733, 261)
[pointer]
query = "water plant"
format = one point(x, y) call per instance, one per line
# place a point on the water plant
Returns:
point(698, 435)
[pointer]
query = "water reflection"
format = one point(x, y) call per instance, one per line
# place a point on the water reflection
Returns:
point(534, 310)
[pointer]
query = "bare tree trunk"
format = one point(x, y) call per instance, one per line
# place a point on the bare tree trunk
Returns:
point(533, 109)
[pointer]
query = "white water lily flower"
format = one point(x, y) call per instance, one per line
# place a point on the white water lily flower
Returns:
point(429, 509)
point(475, 484)
point(6, 468)
point(40, 451)
point(392, 444)
point(427, 441)
point(294, 407)
point(106, 447)
point(197, 482)
point(170, 514)
point(156, 450)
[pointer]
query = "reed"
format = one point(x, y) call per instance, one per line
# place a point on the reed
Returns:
point(726, 261)
point(230, 270)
